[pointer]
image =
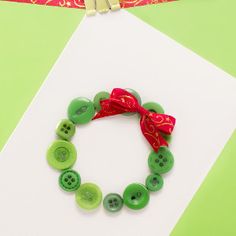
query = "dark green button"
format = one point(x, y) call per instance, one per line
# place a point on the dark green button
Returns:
point(154, 107)
point(61, 155)
point(81, 110)
point(98, 98)
point(136, 196)
point(65, 129)
point(154, 182)
point(113, 202)
point(88, 196)
point(162, 161)
point(69, 180)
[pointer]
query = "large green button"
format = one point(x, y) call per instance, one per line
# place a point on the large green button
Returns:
point(65, 129)
point(88, 196)
point(61, 155)
point(113, 202)
point(154, 182)
point(98, 98)
point(154, 107)
point(162, 161)
point(69, 180)
point(136, 196)
point(81, 110)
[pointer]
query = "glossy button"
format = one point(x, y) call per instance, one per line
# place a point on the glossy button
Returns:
point(98, 98)
point(88, 196)
point(162, 161)
point(154, 107)
point(81, 110)
point(136, 196)
point(65, 129)
point(69, 180)
point(113, 202)
point(154, 182)
point(61, 155)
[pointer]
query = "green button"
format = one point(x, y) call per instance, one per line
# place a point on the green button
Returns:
point(81, 110)
point(162, 161)
point(154, 182)
point(136, 196)
point(69, 180)
point(98, 98)
point(113, 202)
point(154, 107)
point(61, 155)
point(88, 196)
point(65, 129)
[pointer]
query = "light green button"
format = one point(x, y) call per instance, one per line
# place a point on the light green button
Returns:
point(65, 129)
point(154, 107)
point(98, 98)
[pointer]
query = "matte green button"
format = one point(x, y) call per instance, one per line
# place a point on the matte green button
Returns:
point(162, 161)
point(65, 129)
point(98, 98)
point(136, 196)
point(81, 110)
point(113, 202)
point(154, 107)
point(88, 196)
point(69, 180)
point(61, 155)
point(154, 182)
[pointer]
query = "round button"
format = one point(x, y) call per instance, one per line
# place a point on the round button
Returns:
point(154, 107)
point(136, 196)
point(154, 182)
point(162, 161)
point(98, 98)
point(88, 196)
point(61, 155)
point(113, 202)
point(69, 180)
point(81, 110)
point(65, 129)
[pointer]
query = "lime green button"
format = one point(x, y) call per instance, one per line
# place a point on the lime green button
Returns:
point(162, 161)
point(88, 196)
point(113, 202)
point(61, 155)
point(69, 180)
point(98, 98)
point(81, 110)
point(154, 182)
point(65, 129)
point(136, 196)
point(154, 107)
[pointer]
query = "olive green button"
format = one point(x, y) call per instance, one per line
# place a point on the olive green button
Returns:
point(81, 110)
point(69, 180)
point(113, 202)
point(65, 129)
point(61, 155)
point(154, 182)
point(154, 107)
point(136, 196)
point(98, 98)
point(88, 196)
point(162, 161)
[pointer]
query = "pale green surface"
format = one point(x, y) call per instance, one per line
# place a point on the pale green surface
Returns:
point(31, 39)
point(212, 211)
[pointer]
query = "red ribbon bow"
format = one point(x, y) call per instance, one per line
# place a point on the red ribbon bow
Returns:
point(152, 124)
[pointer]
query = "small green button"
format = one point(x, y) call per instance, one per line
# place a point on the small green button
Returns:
point(136, 196)
point(98, 98)
point(69, 180)
point(162, 161)
point(61, 155)
point(65, 129)
point(113, 202)
point(154, 107)
point(88, 196)
point(154, 182)
point(81, 110)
